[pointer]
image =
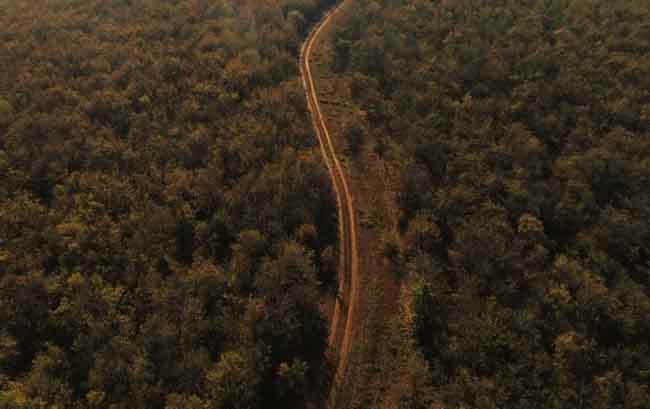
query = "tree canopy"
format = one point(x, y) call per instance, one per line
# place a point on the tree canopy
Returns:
point(522, 132)
point(163, 214)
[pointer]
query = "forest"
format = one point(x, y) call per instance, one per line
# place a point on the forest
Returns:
point(166, 225)
point(168, 230)
point(521, 129)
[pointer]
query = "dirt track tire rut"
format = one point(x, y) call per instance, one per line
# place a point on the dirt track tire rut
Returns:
point(348, 263)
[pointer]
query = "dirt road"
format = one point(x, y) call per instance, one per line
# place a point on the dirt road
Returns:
point(348, 275)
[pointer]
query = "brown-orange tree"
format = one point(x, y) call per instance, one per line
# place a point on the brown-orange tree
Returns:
point(522, 129)
point(164, 220)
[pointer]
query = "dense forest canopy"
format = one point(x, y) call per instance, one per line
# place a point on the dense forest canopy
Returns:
point(165, 225)
point(522, 129)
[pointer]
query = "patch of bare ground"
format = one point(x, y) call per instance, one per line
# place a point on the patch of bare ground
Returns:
point(384, 366)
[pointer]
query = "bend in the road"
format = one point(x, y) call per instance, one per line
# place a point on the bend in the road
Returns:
point(347, 227)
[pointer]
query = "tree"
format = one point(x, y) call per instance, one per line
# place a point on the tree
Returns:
point(233, 381)
point(6, 112)
point(354, 137)
point(521, 155)
point(143, 191)
point(46, 383)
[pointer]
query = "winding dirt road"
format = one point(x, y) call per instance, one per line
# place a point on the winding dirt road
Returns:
point(348, 263)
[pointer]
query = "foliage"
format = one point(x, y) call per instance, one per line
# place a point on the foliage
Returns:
point(522, 132)
point(164, 218)
point(354, 136)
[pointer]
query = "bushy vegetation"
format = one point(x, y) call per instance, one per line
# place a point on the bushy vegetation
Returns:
point(165, 223)
point(523, 132)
